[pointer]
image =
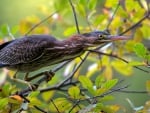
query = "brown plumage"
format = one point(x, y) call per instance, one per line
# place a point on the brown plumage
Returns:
point(31, 53)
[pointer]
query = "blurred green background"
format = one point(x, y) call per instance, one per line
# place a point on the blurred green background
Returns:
point(14, 11)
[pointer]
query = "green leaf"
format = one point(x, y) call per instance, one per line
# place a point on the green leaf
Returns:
point(74, 92)
point(3, 29)
point(100, 91)
point(92, 4)
point(14, 29)
point(122, 67)
point(87, 83)
point(81, 10)
point(34, 94)
point(3, 103)
point(6, 89)
point(99, 81)
point(148, 86)
point(62, 103)
point(110, 83)
point(106, 98)
point(111, 3)
point(135, 63)
point(140, 50)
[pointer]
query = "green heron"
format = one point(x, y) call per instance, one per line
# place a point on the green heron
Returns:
point(33, 52)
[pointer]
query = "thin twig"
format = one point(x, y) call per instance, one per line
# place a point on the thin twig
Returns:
point(115, 56)
point(54, 70)
point(136, 24)
point(55, 105)
point(75, 17)
point(71, 75)
point(58, 87)
point(26, 91)
point(139, 92)
point(77, 102)
point(32, 28)
point(41, 110)
point(107, 93)
point(111, 19)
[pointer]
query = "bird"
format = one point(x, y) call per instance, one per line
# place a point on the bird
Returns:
point(33, 52)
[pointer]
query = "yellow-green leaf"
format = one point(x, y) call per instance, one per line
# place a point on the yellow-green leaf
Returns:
point(61, 103)
point(99, 81)
point(34, 94)
point(135, 63)
point(148, 86)
point(110, 83)
point(3, 103)
point(85, 81)
point(122, 67)
point(74, 92)
point(140, 50)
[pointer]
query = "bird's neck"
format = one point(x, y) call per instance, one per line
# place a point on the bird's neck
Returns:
point(77, 41)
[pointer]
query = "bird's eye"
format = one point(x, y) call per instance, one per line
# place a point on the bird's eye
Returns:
point(100, 36)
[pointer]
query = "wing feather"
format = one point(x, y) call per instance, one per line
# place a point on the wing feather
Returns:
point(26, 49)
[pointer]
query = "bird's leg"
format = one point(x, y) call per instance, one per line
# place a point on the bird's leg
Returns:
point(49, 75)
point(14, 78)
point(26, 78)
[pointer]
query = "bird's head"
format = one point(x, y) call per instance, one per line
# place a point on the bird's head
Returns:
point(99, 37)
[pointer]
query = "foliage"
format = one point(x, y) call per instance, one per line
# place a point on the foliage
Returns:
point(89, 84)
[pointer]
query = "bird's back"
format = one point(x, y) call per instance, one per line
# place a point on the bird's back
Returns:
point(24, 50)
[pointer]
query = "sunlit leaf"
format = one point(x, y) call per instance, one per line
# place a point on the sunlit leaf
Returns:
point(140, 50)
point(92, 4)
point(14, 29)
point(101, 107)
point(108, 73)
point(135, 63)
point(3, 103)
point(106, 98)
point(61, 103)
point(87, 83)
point(34, 101)
point(100, 91)
point(47, 95)
point(122, 67)
point(3, 30)
point(145, 31)
point(74, 92)
point(115, 108)
point(34, 94)
point(81, 9)
point(110, 83)
point(82, 2)
point(5, 89)
point(148, 86)
point(99, 81)
point(111, 3)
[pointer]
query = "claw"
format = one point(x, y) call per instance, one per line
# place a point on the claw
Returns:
point(49, 75)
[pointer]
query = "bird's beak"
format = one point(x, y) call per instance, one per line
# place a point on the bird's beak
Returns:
point(116, 38)
point(111, 38)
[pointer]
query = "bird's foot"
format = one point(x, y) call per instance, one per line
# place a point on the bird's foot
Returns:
point(26, 78)
point(32, 87)
point(49, 75)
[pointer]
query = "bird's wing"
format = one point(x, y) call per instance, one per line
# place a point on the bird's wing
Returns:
point(23, 51)
point(5, 44)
